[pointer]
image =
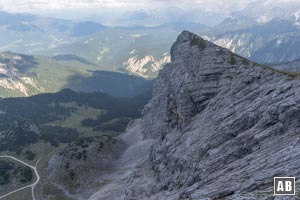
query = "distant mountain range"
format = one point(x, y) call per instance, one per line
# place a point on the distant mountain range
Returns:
point(89, 46)
point(265, 32)
point(136, 50)
point(292, 66)
point(264, 36)
point(23, 75)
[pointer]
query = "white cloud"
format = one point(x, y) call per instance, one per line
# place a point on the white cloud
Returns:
point(36, 5)
point(197, 10)
point(30, 5)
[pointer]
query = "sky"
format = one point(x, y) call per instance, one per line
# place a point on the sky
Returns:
point(36, 6)
point(111, 12)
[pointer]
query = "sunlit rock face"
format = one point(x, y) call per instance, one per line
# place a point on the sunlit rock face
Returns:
point(147, 67)
point(12, 77)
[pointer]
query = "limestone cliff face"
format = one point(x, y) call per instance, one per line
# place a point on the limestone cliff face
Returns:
point(219, 127)
point(224, 127)
point(185, 86)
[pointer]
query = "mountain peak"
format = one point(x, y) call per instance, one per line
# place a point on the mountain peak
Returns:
point(186, 42)
point(213, 111)
point(198, 71)
point(188, 36)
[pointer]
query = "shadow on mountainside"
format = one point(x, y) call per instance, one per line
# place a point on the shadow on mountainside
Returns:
point(112, 83)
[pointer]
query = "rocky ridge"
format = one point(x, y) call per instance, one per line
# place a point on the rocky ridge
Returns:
point(221, 127)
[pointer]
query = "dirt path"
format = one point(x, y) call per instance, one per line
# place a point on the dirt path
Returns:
point(32, 186)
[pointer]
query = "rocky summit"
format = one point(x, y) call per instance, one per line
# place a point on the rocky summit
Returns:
point(218, 127)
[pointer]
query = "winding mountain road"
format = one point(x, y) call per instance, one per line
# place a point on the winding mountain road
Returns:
point(32, 186)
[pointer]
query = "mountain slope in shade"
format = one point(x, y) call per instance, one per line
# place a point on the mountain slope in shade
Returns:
point(138, 50)
point(70, 57)
point(115, 84)
point(273, 41)
point(265, 31)
point(219, 127)
point(23, 75)
point(283, 48)
point(86, 28)
point(293, 66)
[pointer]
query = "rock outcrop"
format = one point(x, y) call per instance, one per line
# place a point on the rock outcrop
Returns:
point(77, 166)
point(222, 127)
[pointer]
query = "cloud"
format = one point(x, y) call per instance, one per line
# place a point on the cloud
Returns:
point(29, 5)
point(35, 5)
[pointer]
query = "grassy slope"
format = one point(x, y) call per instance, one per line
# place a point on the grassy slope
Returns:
point(50, 75)
point(53, 75)
point(75, 119)
point(111, 47)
